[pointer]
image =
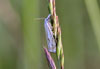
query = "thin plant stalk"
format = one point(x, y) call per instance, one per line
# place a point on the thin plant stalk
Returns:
point(50, 60)
point(57, 35)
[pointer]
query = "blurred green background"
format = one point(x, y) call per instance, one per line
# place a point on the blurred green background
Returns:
point(22, 37)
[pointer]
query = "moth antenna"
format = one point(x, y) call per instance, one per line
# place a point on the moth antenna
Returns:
point(39, 18)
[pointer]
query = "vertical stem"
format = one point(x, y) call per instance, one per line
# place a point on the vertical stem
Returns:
point(52, 10)
point(57, 34)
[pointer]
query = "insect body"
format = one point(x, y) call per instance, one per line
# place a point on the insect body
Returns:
point(49, 35)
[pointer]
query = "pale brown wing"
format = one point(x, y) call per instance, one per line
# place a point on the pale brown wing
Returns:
point(49, 36)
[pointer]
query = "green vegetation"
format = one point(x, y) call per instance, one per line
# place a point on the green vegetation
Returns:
point(22, 37)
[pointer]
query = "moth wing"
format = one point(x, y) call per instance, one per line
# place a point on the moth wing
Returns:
point(49, 36)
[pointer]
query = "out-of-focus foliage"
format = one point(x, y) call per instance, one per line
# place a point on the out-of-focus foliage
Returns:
point(22, 36)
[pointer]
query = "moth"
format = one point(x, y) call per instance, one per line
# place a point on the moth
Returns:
point(49, 35)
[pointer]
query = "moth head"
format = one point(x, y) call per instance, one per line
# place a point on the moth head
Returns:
point(43, 18)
